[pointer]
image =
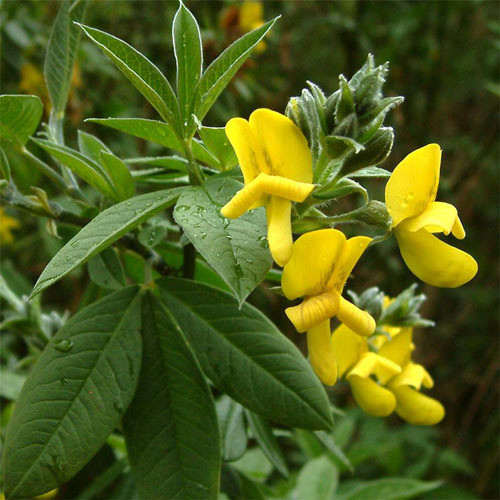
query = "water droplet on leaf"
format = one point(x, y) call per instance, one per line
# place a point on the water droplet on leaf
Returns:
point(63, 345)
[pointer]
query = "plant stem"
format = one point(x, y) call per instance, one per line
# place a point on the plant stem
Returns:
point(196, 179)
point(188, 266)
point(194, 170)
point(56, 130)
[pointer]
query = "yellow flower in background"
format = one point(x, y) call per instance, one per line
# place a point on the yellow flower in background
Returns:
point(320, 263)
point(410, 196)
point(46, 496)
point(251, 16)
point(7, 224)
point(386, 381)
point(276, 163)
point(33, 83)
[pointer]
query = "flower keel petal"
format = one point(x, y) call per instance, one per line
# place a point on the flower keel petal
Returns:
point(434, 261)
point(321, 353)
point(279, 229)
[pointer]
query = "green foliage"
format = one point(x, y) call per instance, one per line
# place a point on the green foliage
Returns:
point(141, 72)
point(106, 270)
point(317, 479)
point(158, 132)
point(245, 355)
point(216, 380)
point(189, 61)
point(390, 489)
point(84, 167)
point(85, 379)
point(232, 427)
point(20, 118)
point(107, 227)
point(61, 52)
point(235, 248)
point(263, 433)
point(222, 70)
point(171, 427)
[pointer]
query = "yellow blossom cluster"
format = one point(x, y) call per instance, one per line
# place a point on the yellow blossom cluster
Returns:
point(277, 168)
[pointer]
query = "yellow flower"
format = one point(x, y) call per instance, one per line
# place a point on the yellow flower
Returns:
point(319, 266)
point(251, 16)
point(276, 165)
point(398, 379)
point(46, 496)
point(410, 196)
point(7, 224)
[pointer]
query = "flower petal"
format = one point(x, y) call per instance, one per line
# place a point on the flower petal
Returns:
point(279, 229)
point(413, 184)
point(358, 321)
point(371, 397)
point(348, 348)
point(314, 256)
point(436, 218)
point(417, 408)
point(434, 261)
point(413, 375)
point(353, 249)
point(244, 199)
point(321, 353)
point(251, 14)
point(373, 364)
point(285, 188)
point(313, 310)
point(458, 230)
point(399, 348)
point(248, 151)
point(284, 147)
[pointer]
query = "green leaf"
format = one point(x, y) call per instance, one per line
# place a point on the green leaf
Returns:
point(4, 165)
point(215, 139)
point(106, 270)
point(377, 149)
point(158, 132)
point(90, 146)
point(329, 443)
point(90, 171)
point(254, 464)
point(188, 57)
point(154, 232)
point(345, 104)
point(21, 115)
point(235, 248)
point(370, 172)
point(245, 355)
point(221, 71)
point(232, 426)
point(120, 175)
point(10, 296)
point(171, 426)
point(175, 163)
point(339, 188)
point(263, 433)
point(141, 72)
point(106, 228)
point(103, 480)
point(391, 488)
point(250, 488)
point(317, 480)
point(61, 52)
point(11, 384)
point(74, 396)
point(338, 146)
